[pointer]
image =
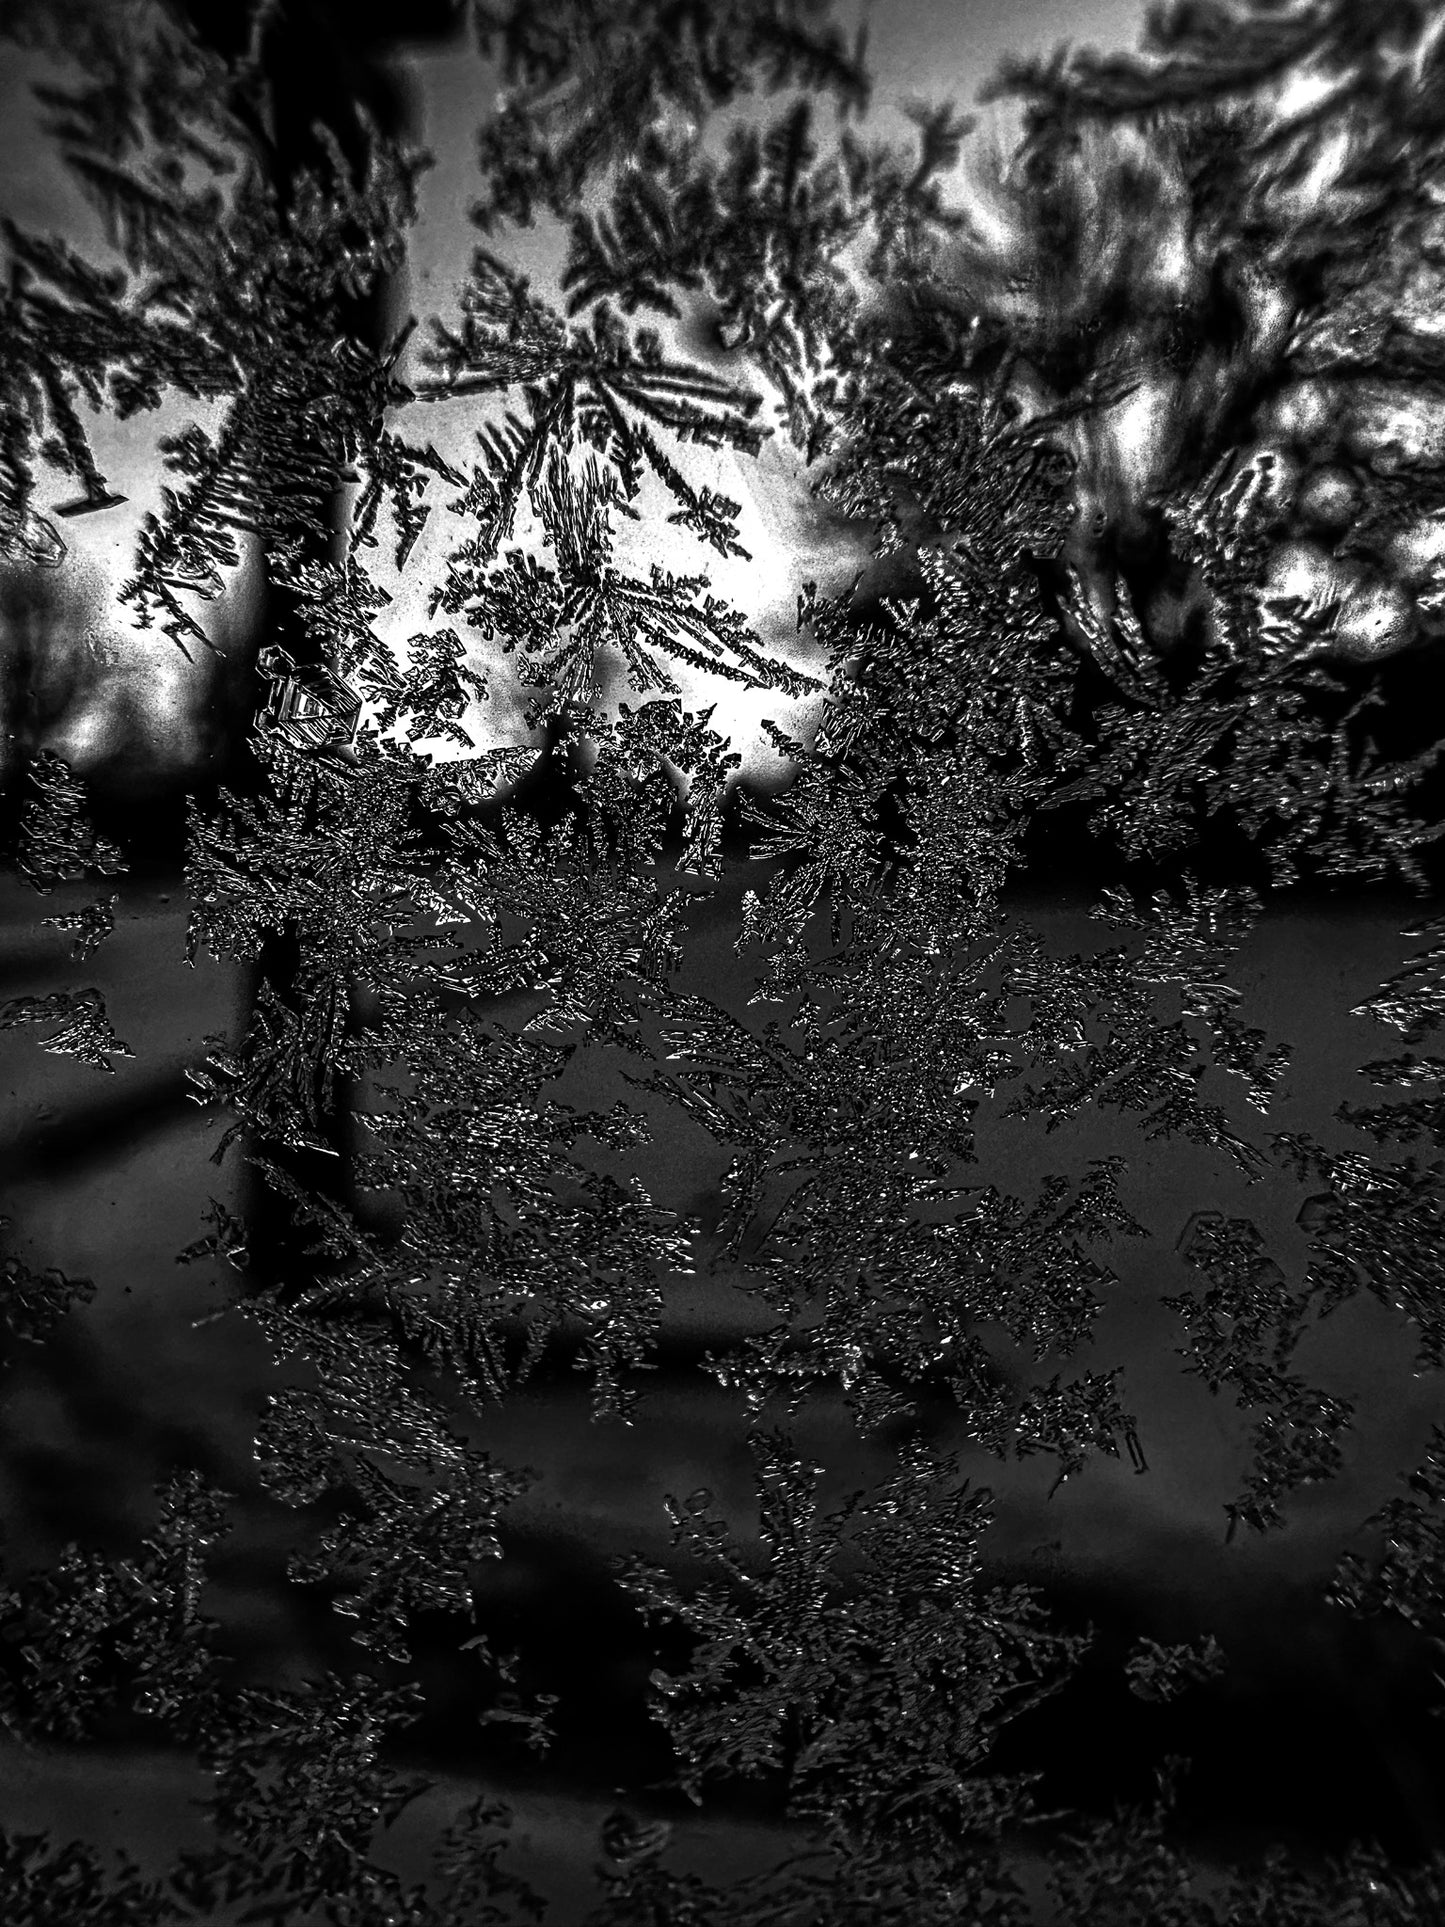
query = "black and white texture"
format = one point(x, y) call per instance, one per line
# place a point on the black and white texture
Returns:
point(722, 986)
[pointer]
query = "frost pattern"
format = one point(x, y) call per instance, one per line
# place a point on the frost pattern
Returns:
point(832, 1664)
point(57, 843)
point(1160, 1673)
point(80, 1027)
point(88, 928)
point(1408, 1578)
point(439, 942)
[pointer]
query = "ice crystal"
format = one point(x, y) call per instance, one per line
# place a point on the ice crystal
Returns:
point(408, 1545)
point(1413, 1001)
point(1248, 744)
point(1147, 1063)
point(554, 134)
point(1408, 1575)
point(306, 414)
point(302, 1836)
point(57, 843)
point(41, 1877)
point(479, 1891)
point(762, 235)
point(1126, 1872)
point(848, 1128)
point(510, 1242)
point(308, 711)
point(1243, 1332)
point(435, 689)
point(33, 1302)
point(583, 382)
point(563, 619)
point(1158, 1672)
point(821, 1886)
point(238, 296)
point(91, 926)
point(99, 1635)
point(80, 1025)
point(869, 1661)
point(54, 349)
point(1373, 1226)
point(227, 1241)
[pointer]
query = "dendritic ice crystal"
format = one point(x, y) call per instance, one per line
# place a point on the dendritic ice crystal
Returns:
point(800, 1298)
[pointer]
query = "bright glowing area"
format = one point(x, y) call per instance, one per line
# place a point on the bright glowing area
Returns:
point(789, 541)
point(1303, 91)
point(1133, 431)
point(1374, 621)
point(1303, 193)
point(1300, 569)
point(1173, 268)
point(1422, 545)
point(1403, 420)
point(1302, 410)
